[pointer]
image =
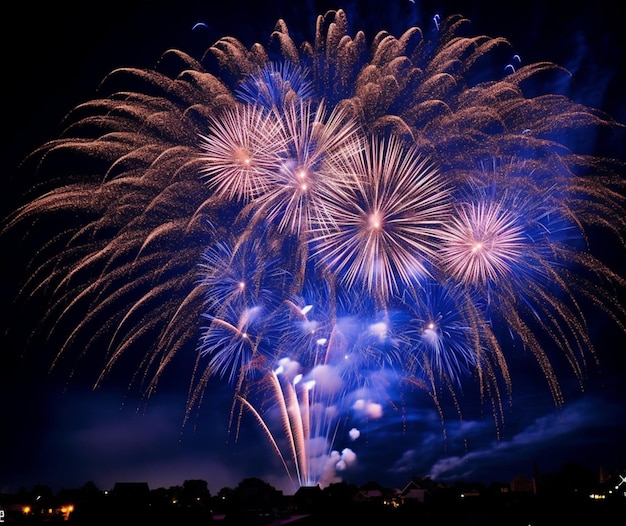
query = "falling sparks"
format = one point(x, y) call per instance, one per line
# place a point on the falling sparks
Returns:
point(369, 212)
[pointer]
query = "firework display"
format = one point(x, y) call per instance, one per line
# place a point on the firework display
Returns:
point(324, 224)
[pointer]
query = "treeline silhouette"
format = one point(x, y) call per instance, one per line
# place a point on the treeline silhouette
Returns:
point(561, 498)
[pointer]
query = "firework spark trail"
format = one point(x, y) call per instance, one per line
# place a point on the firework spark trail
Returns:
point(370, 210)
point(484, 243)
point(241, 152)
point(441, 334)
point(300, 181)
point(387, 221)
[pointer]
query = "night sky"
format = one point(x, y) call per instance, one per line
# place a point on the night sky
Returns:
point(55, 430)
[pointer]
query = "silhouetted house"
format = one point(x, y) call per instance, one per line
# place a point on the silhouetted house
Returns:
point(373, 495)
point(499, 488)
point(307, 498)
point(131, 491)
point(522, 484)
point(468, 490)
point(130, 498)
point(412, 492)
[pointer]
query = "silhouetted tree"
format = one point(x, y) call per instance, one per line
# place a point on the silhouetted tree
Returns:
point(252, 498)
point(196, 492)
point(338, 492)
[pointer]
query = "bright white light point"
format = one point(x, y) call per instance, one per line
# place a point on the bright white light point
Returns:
point(242, 285)
point(321, 341)
point(305, 310)
point(301, 174)
point(431, 325)
point(374, 221)
point(354, 433)
point(279, 369)
point(242, 156)
point(297, 379)
point(477, 246)
point(309, 385)
point(244, 335)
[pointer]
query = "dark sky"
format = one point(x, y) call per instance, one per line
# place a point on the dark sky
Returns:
point(63, 434)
